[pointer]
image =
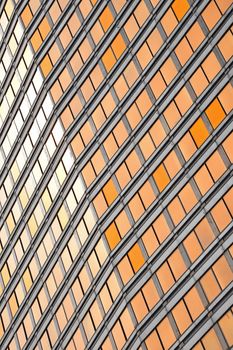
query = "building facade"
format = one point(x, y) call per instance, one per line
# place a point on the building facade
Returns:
point(116, 197)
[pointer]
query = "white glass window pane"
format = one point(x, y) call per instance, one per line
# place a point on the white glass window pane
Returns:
point(30, 185)
point(8, 184)
point(37, 172)
point(18, 31)
point(34, 132)
point(40, 118)
point(7, 57)
point(31, 93)
point(4, 108)
point(16, 81)
point(79, 188)
point(28, 55)
point(38, 80)
point(43, 159)
point(10, 95)
point(47, 105)
point(16, 211)
point(22, 69)
point(6, 146)
point(51, 145)
point(27, 146)
point(4, 21)
point(58, 131)
point(53, 186)
point(12, 134)
point(25, 107)
point(18, 121)
point(68, 159)
point(13, 44)
point(89, 218)
point(2, 198)
point(2, 72)
point(21, 159)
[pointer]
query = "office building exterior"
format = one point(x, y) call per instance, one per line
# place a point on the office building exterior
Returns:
point(116, 197)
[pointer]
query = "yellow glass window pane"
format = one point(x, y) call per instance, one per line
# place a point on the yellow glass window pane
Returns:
point(27, 280)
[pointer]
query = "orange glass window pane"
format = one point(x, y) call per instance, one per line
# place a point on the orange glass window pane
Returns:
point(77, 145)
point(198, 81)
point(100, 204)
point(223, 272)
point(188, 197)
point(153, 342)
point(211, 341)
point(165, 277)
point(204, 233)
point(168, 70)
point(56, 91)
point(110, 146)
point(123, 176)
point(183, 51)
point(215, 113)
point(169, 22)
point(172, 164)
point(65, 37)
point(183, 100)
point(131, 27)
point(136, 258)
point(194, 303)
point(141, 13)
point(54, 11)
point(106, 18)
point(147, 147)
point(211, 66)
point(199, 132)
point(181, 316)
point(144, 55)
point(54, 53)
point(112, 236)
point(66, 118)
point(177, 264)
point(161, 177)
point(225, 98)
point(123, 223)
point(226, 324)
point(118, 45)
point(180, 8)
point(161, 228)
point(139, 306)
point(155, 41)
point(26, 16)
point(211, 15)
point(46, 66)
point(44, 28)
point(226, 46)
point(195, 35)
point(150, 241)
point(125, 270)
point(203, 180)
point(157, 85)
point(136, 207)
point(192, 246)
point(133, 163)
point(74, 24)
point(187, 146)
point(110, 192)
point(36, 40)
point(108, 59)
point(210, 285)
point(166, 333)
point(176, 211)
point(216, 165)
